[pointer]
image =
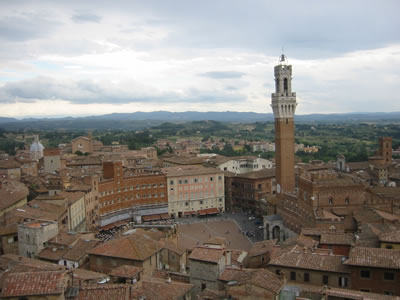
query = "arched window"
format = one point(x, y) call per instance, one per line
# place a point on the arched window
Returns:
point(330, 200)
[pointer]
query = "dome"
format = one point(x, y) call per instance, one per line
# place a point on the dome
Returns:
point(36, 148)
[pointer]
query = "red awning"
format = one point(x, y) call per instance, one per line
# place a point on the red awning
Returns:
point(202, 212)
point(165, 216)
point(115, 224)
point(188, 213)
point(212, 211)
point(151, 218)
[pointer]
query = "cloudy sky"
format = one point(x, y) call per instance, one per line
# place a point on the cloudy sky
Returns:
point(81, 57)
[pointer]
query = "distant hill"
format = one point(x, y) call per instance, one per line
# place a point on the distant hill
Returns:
point(140, 120)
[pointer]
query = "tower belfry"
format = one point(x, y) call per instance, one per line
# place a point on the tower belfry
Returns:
point(284, 106)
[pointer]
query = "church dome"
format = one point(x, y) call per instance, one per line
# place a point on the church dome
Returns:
point(36, 148)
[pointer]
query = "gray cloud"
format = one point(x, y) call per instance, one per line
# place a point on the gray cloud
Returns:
point(25, 27)
point(85, 17)
point(222, 74)
point(88, 92)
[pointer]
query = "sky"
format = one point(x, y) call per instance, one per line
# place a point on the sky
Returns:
point(81, 57)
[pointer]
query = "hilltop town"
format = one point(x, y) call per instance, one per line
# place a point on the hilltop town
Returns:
point(180, 220)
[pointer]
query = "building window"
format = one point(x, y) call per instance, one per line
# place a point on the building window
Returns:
point(306, 277)
point(343, 282)
point(325, 279)
point(186, 181)
point(201, 201)
point(219, 177)
point(365, 274)
point(180, 181)
point(220, 199)
point(347, 201)
point(389, 247)
point(278, 272)
point(330, 200)
point(364, 290)
point(293, 276)
point(388, 276)
point(211, 178)
point(186, 203)
point(171, 182)
point(388, 293)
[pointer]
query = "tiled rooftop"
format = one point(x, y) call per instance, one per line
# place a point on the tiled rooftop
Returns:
point(311, 261)
point(33, 283)
point(331, 238)
point(262, 247)
point(125, 271)
point(390, 237)
point(374, 257)
point(137, 246)
point(161, 289)
point(207, 254)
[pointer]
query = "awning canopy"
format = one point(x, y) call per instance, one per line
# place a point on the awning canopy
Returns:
point(151, 218)
point(188, 213)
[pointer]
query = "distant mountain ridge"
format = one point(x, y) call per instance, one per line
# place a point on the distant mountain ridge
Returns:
point(139, 120)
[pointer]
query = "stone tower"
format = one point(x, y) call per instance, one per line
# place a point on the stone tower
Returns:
point(284, 106)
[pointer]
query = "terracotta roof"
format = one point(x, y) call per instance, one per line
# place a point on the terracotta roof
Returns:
point(104, 292)
point(207, 254)
point(12, 192)
point(9, 164)
point(263, 173)
point(82, 274)
point(267, 280)
point(126, 271)
point(51, 152)
point(262, 247)
point(390, 237)
point(20, 264)
point(65, 238)
point(310, 261)
point(52, 253)
point(260, 277)
point(33, 283)
point(374, 257)
point(40, 210)
point(190, 171)
point(136, 246)
point(356, 295)
point(159, 289)
point(80, 249)
point(331, 238)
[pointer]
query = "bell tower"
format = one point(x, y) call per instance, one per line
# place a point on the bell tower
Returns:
point(284, 106)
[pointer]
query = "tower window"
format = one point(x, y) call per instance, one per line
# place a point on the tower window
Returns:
point(285, 85)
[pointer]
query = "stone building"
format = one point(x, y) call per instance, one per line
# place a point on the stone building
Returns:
point(52, 160)
point(195, 190)
point(206, 264)
point(34, 236)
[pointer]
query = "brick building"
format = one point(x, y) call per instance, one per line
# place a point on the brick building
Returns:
point(123, 198)
point(250, 191)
